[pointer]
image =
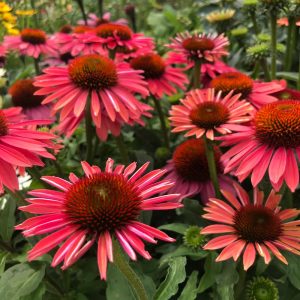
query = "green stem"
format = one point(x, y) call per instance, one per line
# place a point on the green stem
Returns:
point(58, 168)
point(122, 148)
point(256, 70)
point(265, 68)
point(162, 122)
point(255, 25)
point(273, 20)
point(210, 156)
point(289, 42)
point(35, 16)
point(132, 278)
point(54, 286)
point(88, 131)
point(36, 175)
point(197, 74)
point(81, 7)
point(240, 286)
point(100, 6)
point(36, 66)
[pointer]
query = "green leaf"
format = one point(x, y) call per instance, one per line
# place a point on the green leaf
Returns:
point(190, 290)
point(185, 251)
point(7, 218)
point(3, 256)
point(176, 275)
point(226, 280)
point(293, 269)
point(19, 281)
point(176, 227)
point(37, 294)
point(293, 76)
point(211, 269)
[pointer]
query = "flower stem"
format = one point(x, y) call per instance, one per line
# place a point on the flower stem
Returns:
point(162, 122)
point(88, 131)
point(81, 7)
point(197, 74)
point(265, 68)
point(122, 148)
point(35, 16)
point(290, 43)
point(132, 278)
point(210, 156)
point(36, 66)
point(273, 20)
point(253, 19)
point(240, 286)
point(100, 6)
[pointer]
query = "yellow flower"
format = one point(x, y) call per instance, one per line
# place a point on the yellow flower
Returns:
point(220, 15)
point(9, 18)
point(13, 31)
point(26, 12)
point(4, 7)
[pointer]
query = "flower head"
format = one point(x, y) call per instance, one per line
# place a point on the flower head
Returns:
point(204, 112)
point(160, 76)
point(31, 42)
point(189, 169)
point(204, 47)
point(251, 227)
point(110, 86)
point(19, 146)
point(22, 94)
point(261, 288)
point(270, 143)
point(193, 239)
point(220, 15)
point(257, 93)
point(99, 207)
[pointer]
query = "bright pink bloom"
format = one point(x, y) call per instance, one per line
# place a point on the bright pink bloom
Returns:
point(161, 77)
point(270, 143)
point(2, 55)
point(22, 94)
point(31, 42)
point(19, 146)
point(204, 47)
point(251, 227)
point(111, 87)
point(286, 93)
point(189, 169)
point(121, 38)
point(94, 21)
point(204, 112)
point(257, 93)
point(79, 43)
point(96, 208)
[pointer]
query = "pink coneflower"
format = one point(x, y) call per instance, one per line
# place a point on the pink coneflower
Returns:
point(258, 93)
point(189, 169)
point(110, 86)
point(205, 112)
point(160, 76)
point(204, 47)
point(31, 42)
point(270, 143)
point(253, 227)
point(79, 43)
point(97, 208)
point(120, 37)
point(286, 93)
point(22, 94)
point(94, 21)
point(20, 147)
point(2, 55)
point(59, 59)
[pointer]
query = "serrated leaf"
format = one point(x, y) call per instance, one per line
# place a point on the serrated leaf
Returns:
point(185, 251)
point(7, 218)
point(19, 281)
point(190, 290)
point(176, 227)
point(211, 269)
point(176, 274)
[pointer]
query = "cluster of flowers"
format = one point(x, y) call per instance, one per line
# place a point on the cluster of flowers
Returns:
point(102, 70)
